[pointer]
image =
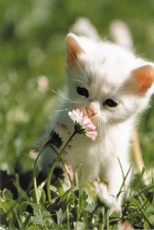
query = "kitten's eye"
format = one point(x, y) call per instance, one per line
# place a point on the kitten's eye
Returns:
point(82, 91)
point(110, 103)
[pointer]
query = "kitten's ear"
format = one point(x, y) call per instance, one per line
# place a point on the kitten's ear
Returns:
point(144, 78)
point(73, 49)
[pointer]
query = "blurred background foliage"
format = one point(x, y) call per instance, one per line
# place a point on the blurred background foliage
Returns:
point(32, 45)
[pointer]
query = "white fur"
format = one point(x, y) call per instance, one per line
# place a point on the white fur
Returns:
point(104, 69)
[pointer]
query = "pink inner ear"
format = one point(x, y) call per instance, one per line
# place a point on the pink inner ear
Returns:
point(145, 77)
point(73, 49)
point(72, 55)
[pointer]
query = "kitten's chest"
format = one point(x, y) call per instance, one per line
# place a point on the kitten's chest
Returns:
point(84, 151)
point(109, 144)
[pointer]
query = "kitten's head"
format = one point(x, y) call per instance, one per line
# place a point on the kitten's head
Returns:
point(107, 82)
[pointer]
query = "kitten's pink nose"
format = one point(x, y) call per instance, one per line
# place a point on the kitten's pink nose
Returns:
point(90, 112)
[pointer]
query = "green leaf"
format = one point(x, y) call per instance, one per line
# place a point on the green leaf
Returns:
point(79, 225)
point(5, 195)
point(33, 227)
point(60, 216)
point(41, 216)
point(25, 218)
point(8, 206)
point(151, 219)
point(41, 195)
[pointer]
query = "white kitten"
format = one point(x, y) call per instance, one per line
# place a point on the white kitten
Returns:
point(111, 86)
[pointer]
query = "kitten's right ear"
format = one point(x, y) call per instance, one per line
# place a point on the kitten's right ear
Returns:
point(143, 78)
point(73, 49)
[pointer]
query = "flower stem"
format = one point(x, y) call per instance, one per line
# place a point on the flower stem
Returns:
point(34, 177)
point(54, 164)
point(64, 165)
point(35, 190)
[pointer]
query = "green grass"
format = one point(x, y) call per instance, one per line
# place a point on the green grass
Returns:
point(32, 44)
point(36, 202)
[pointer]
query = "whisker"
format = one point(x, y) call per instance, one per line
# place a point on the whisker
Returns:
point(61, 110)
point(81, 78)
point(106, 126)
point(77, 80)
point(60, 95)
point(66, 98)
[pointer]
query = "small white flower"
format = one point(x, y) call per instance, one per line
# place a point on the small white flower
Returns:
point(83, 124)
point(102, 192)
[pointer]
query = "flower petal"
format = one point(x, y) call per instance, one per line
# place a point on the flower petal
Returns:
point(85, 123)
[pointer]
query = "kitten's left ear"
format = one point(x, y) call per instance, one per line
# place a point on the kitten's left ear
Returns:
point(73, 49)
point(144, 78)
